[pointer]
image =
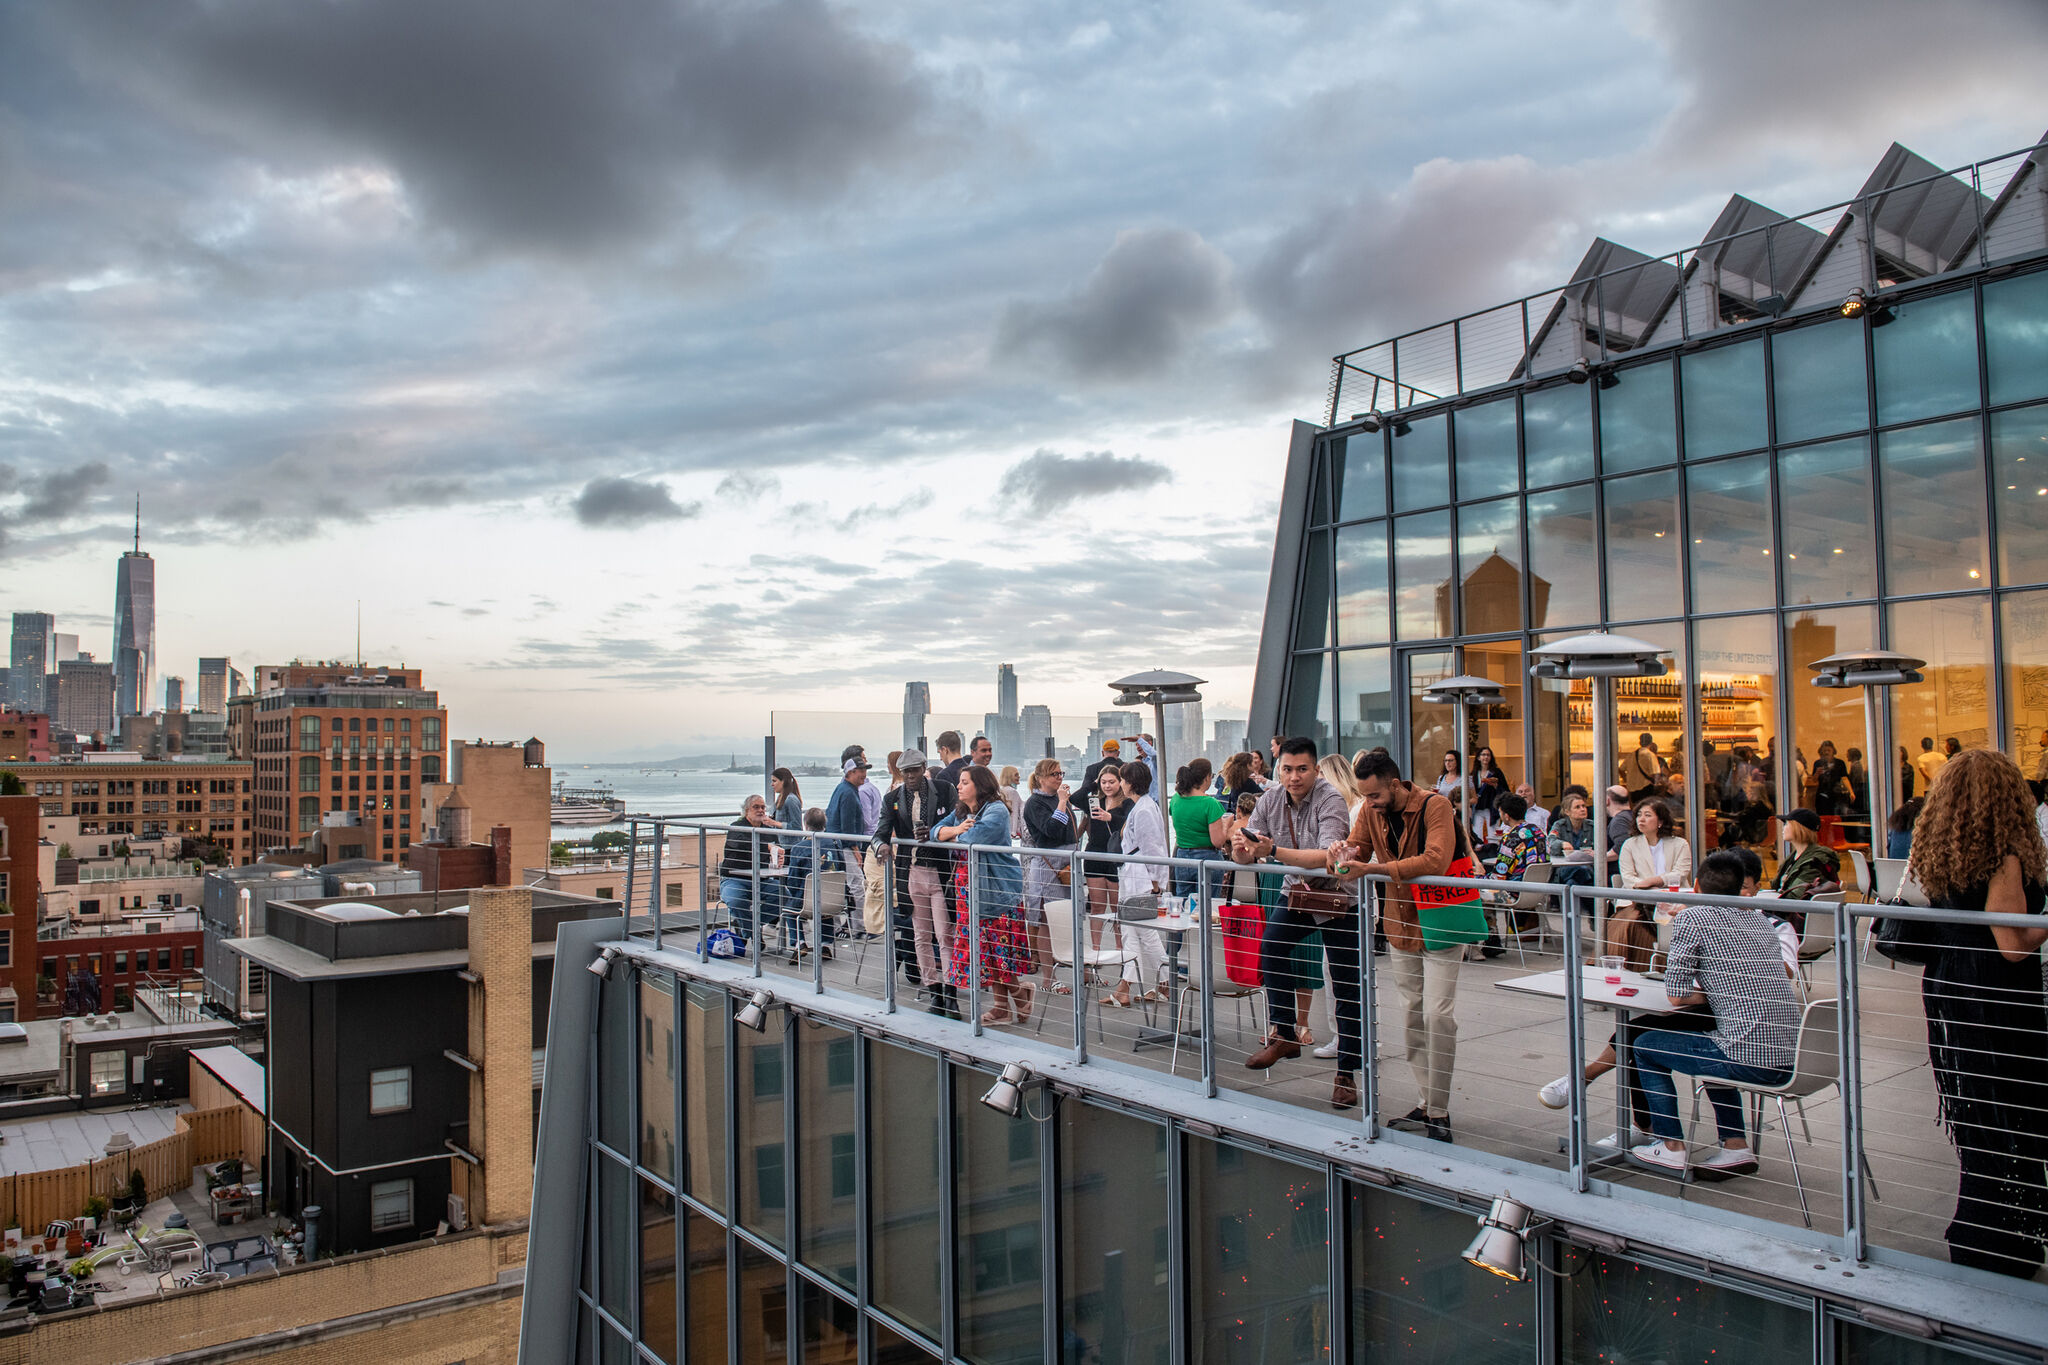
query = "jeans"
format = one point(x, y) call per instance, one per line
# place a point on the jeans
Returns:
point(1285, 929)
point(1572, 874)
point(738, 895)
point(1659, 1052)
point(1184, 882)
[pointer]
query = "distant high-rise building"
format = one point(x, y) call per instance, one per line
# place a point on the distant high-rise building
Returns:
point(62, 647)
point(1112, 725)
point(917, 705)
point(85, 696)
point(213, 686)
point(174, 693)
point(1227, 738)
point(237, 684)
point(1006, 691)
point(134, 626)
point(1036, 723)
point(1182, 742)
point(28, 661)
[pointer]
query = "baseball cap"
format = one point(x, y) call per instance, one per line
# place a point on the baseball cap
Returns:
point(862, 764)
point(1110, 746)
point(1805, 817)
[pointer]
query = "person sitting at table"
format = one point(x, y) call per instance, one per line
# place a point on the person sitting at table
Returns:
point(1570, 838)
point(1653, 857)
point(1731, 960)
point(1810, 867)
point(744, 851)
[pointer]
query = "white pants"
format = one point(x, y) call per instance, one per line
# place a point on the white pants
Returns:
point(1428, 982)
point(856, 881)
point(1144, 956)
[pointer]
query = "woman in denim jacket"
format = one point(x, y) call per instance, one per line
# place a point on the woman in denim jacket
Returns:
point(997, 887)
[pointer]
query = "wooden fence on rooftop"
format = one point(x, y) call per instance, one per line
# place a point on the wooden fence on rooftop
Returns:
point(30, 1199)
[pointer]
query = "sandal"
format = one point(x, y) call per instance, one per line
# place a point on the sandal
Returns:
point(1061, 988)
point(990, 1018)
point(1112, 1000)
point(1020, 1007)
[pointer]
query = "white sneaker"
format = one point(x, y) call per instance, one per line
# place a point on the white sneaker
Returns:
point(1730, 1161)
point(1659, 1153)
point(1328, 1049)
point(1557, 1094)
point(1636, 1138)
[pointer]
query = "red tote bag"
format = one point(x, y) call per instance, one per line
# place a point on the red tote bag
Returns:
point(1244, 926)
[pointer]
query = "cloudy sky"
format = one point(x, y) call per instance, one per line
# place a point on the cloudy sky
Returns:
point(641, 365)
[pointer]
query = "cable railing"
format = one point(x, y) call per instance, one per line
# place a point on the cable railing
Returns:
point(1910, 230)
point(1861, 1138)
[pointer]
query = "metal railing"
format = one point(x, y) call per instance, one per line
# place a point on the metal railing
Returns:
point(1751, 275)
point(1868, 1166)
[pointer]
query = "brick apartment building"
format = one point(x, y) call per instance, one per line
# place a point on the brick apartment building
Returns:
point(24, 737)
point(337, 738)
point(19, 890)
point(148, 799)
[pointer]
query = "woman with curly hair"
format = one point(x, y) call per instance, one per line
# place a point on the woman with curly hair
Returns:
point(1975, 847)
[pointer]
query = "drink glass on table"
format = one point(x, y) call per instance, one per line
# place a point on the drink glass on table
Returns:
point(1611, 966)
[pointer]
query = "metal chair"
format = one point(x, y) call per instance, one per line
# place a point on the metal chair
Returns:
point(1212, 974)
point(1059, 930)
point(1525, 902)
point(1814, 944)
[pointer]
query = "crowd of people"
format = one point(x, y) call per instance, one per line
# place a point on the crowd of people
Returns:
point(1293, 831)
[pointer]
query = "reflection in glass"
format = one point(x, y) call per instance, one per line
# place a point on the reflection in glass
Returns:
point(2025, 632)
point(704, 1094)
point(1413, 1297)
point(1359, 463)
point(1824, 494)
point(2015, 342)
point(1319, 507)
point(1862, 1345)
point(1422, 466)
point(1638, 419)
point(1557, 434)
point(999, 1259)
point(1487, 463)
point(614, 1253)
point(1952, 709)
point(1113, 1245)
point(1564, 567)
point(705, 1304)
point(891, 1348)
point(1365, 700)
point(831, 1327)
point(658, 1270)
point(1564, 723)
point(1422, 576)
point(1308, 700)
point(828, 1165)
point(1735, 688)
point(1619, 1310)
point(1362, 584)
point(904, 1138)
point(615, 1029)
point(1489, 566)
point(1927, 359)
point(764, 1305)
point(2019, 485)
point(764, 1202)
point(1729, 506)
point(1312, 608)
point(1724, 400)
point(1432, 726)
point(1258, 1257)
point(1833, 715)
point(1817, 380)
point(1933, 507)
point(658, 1074)
point(1642, 546)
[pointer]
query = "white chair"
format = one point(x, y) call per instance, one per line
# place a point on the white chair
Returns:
point(1524, 902)
point(1818, 938)
point(1860, 866)
point(828, 886)
point(1813, 1070)
point(1221, 987)
point(1893, 881)
point(1059, 930)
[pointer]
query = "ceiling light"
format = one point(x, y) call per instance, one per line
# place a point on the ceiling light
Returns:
point(754, 1014)
point(1499, 1248)
point(1006, 1096)
point(1853, 305)
point(1975, 574)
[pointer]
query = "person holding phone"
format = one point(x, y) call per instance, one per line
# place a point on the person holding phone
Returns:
point(1107, 811)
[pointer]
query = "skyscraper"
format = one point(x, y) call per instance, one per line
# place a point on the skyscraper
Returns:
point(84, 703)
point(174, 693)
point(213, 686)
point(1006, 691)
point(1037, 728)
point(29, 660)
point(917, 704)
point(134, 627)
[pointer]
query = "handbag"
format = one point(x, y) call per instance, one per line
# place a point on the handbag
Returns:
point(1322, 904)
point(1903, 940)
point(1451, 916)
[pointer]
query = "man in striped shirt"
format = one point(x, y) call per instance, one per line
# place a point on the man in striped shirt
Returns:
point(1728, 958)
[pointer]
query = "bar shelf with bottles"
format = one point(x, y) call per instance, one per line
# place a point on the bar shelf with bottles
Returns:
point(1652, 705)
point(1732, 711)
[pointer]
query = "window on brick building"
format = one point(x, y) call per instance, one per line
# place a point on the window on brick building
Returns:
point(391, 1090)
point(390, 1205)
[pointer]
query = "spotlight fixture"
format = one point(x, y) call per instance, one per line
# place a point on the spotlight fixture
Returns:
point(1853, 305)
point(1368, 422)
point(1610, 379)
point(1580, 372)
point(1402, 428)
point(1006, 1096)
point(1882, 315)
point(1500, 1248)
point(754, 1014)
point(601, 965)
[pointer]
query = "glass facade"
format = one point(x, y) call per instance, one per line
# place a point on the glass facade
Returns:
point(1811, 484)
point(1075, 1232)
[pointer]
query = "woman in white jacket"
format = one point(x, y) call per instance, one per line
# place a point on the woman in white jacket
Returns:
point(1144, 832)
point(1653, 857)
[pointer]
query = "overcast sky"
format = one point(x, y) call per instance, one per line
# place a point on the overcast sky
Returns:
point(641, 365)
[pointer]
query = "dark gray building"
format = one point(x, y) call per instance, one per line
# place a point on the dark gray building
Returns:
point(28, 661)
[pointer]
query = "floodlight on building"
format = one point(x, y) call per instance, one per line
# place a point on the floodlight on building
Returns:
point(1401, 428)
point(1610, 379)
point(1501, 1248)
point(1368, 422)
point(1581, 371)
point(601, 965)
point(1853, 305)
point(754, 1014)
point(1006, 1096)
point(1882, 314)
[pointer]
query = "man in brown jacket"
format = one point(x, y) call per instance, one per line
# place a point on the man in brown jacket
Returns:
point(1411, 831)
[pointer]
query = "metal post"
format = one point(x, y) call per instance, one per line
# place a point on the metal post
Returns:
point(889, 931)
point(967, 914)
point(1877, 767)
point(1077, 894)
point(632, 848)
point(768, 765)
point(1369, 1015)
point(1977, 203)
point(654, 891)
point(1465, 763)
point(1575, 1035)
point(1603, 778)
point(817, 899)
point(760, 919)
point(1849, 1049)
point(704, 894)
point(1206, 942)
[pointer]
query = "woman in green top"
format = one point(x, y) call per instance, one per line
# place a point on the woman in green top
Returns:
point(1199, 829)
point(1811, 866)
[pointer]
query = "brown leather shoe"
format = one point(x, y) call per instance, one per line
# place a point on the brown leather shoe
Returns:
point(1271, 1053)
point(1344, 1095)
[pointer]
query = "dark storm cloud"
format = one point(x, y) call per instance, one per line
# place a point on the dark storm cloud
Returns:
point(1046, 481)
point(1155, 290)
point(525, 123)
point(57, 496)
point(629, 502)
